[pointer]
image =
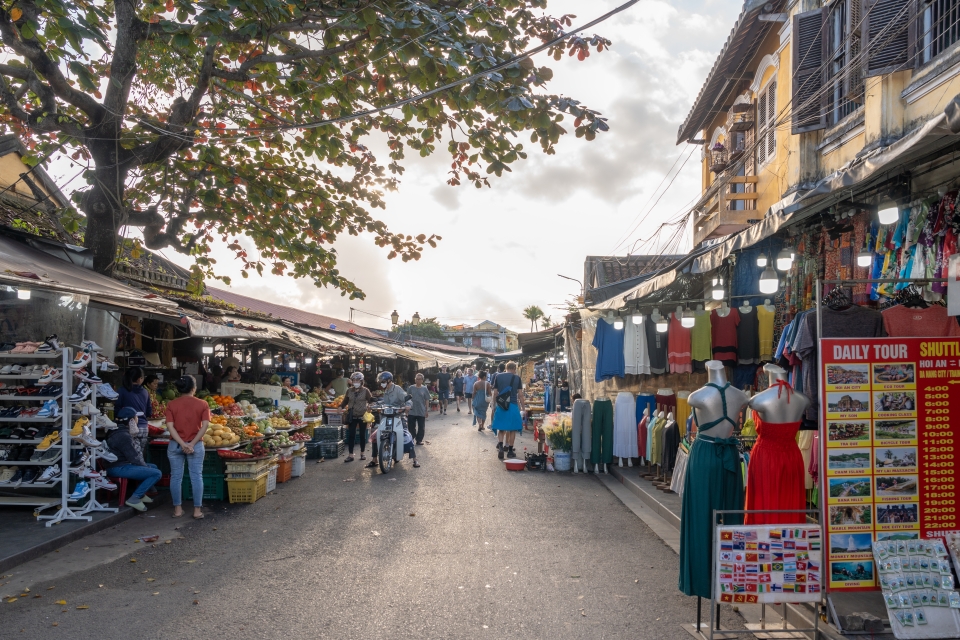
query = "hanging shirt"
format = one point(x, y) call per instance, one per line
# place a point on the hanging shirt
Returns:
point(609, 345)
point(932, 322)
point(700, 338)
point(748, 337)
point(678, 345)
point(635, 356)
point(656, 347)
point(723, 330)
point(765, 322)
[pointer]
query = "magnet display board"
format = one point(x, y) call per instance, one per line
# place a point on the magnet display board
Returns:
point(768, 563)
point(888, 448)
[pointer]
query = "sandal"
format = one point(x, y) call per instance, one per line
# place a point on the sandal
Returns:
point(178, 515)
point(416, 465)
point(348, 459)
point(372, 463)
point(363, 457)
point(198, 517)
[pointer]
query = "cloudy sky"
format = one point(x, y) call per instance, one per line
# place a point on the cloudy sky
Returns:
point(503, 247)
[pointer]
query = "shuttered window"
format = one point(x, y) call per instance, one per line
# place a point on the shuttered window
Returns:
point(844, 86)
point(809, 71)
point(889, 35)
point(938, 27)
point(767, 124)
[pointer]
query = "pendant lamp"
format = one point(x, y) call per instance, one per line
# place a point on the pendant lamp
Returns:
point(618, 323)
point(890, 215)
point(769, 283)
point(662, 325)
point(864, 258)
point(637, 318)
point(784, 260)
point(687, 320)
point(717, 290)
point(762, 260)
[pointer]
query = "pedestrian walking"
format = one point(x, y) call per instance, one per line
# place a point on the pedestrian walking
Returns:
point(419, 410)
point(469, 380)
point(443, 388)
point(481, 400)
point(458, 388)
point(509, 420)
point(356, 400)
point(187, 420)
point(493, 381)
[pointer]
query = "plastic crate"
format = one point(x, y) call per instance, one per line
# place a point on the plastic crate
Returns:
point(157, 454)
point(284, 469)
point(272, 479)
point(213, 464)
point(246, 469)
point(334, 417)
point(327, 434)
point(309, 429)
point(213, 487)
point(332, 449)
point(247, 489)
point(298, 466)
point(313, 450)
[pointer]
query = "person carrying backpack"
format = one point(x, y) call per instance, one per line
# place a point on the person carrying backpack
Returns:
point(507, 415)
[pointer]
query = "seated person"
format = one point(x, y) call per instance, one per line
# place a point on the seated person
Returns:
point(130, 464)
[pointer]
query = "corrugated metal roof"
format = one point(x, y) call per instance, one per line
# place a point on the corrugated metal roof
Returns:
point(741, 46)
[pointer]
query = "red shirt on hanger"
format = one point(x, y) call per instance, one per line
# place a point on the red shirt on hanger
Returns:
point(932, 322)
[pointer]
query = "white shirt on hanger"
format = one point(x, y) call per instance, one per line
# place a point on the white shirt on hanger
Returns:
point(636, 358)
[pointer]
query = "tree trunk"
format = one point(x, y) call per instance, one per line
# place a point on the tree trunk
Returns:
point(103, 207)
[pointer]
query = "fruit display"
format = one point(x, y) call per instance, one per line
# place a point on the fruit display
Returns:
point(258, 449)
point(220, 436)
point(218, 420)
point(313, 409)
point(251, 431)
point(291, 416)
point(277, 422)
point(223, 401)
point(249, 408)
point(300, 436)
point(233, 410)
point(233, 455)
point(282, 439)
point(335, 403)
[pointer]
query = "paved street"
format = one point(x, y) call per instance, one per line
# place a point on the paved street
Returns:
point(459, 548)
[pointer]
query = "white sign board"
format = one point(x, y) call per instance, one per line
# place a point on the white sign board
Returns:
point(768, 563)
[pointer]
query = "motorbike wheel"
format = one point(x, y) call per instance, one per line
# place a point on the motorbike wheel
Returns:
point(387, 443)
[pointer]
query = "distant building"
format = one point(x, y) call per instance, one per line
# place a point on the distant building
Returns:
point(486, 336)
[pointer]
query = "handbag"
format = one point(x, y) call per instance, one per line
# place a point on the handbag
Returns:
point(503, 398)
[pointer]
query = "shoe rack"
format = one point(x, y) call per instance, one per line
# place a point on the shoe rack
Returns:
point(93, 504)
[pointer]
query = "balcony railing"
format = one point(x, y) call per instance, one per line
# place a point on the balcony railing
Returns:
point(741, 118)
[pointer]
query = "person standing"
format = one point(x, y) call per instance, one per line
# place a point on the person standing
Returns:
point(469, 380)
point(132, 394)
point(493, 381)
point(481, 400)
point(458, 388)
point(443, 388)
point(509, 421)
point(187, 420)
point(355, 401)
point(339, 384)
point(419, 410)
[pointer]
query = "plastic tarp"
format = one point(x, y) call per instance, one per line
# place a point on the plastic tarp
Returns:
point(18, 261)
point(351, 344)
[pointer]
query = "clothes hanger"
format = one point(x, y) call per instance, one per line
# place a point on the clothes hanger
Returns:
point(837, 300)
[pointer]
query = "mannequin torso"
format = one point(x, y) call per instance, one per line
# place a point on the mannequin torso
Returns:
point(779, 404)
point(711, 405)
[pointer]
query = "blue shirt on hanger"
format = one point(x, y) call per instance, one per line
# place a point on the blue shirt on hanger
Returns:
point(609, 344)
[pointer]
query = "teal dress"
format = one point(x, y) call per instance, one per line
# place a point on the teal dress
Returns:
point(713, 481)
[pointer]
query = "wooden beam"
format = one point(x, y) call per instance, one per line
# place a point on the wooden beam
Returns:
point(744, 180)
point(742, 196)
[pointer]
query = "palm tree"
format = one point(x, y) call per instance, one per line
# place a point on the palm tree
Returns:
point(546, 322)
point(533, 313)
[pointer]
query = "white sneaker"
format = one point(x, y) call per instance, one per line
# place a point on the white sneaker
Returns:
point(104, 422)
point(48, 375)
point(6, 370)
point(51, 472)
point(81, 360)
point(107, 391)
point(87, 438)
point(106, 454)
point(87, 408)
point(90, 345)
point(103, 483)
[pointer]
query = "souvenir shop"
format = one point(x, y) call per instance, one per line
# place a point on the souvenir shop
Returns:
point(805, 375)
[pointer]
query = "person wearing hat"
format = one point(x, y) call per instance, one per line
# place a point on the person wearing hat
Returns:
point(129, 463)
point(355, 402)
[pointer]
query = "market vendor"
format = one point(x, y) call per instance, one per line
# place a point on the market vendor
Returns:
point(232, 374)
point(338, 385)
point(355, 402)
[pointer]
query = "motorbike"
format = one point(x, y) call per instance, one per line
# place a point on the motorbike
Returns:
point(390, 436)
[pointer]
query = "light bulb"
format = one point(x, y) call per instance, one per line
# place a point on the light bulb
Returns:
point(23, 294)
point(762, 260)
point(308, 360)
point(717, 291)
point(784, 260)
point(618, 323)
point(864, 258)
point(637, 318)
point(662, 325)
point(769, 283)
point(207, 347)
point(268, 361)
point(687, 320)
point(889, 215)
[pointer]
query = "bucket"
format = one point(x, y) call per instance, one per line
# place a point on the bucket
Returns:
point(561, 460)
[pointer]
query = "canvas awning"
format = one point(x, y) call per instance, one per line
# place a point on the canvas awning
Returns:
point(24, 266)
point(350, 343)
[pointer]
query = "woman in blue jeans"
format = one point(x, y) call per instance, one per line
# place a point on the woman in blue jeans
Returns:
point(187, 420)
point(130, 464)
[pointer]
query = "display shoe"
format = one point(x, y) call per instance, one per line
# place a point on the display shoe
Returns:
point(25, 454)
point(78, 426)
point(106, 365)
point(5, 452)
point(52, 439)
point(88, 474)
point(7, 346)
point(90, 345)
point(86, 408)
point(51, 472)
point(105, 454)
point(81, 360)
point(51, 344)
point(103, 483)
point(80, 491)
point(107, 392)
point(89, 378)
point(29, 475)
point(87, 438)
point(103, 422)
point(78, 465)
point(50, 409)
point(48, 375)
point(17, 478)
point(81, 393)
point(50, 455)
point(5, 371)
point(6, 473)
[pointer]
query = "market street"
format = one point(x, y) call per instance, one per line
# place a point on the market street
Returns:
point(459, 548)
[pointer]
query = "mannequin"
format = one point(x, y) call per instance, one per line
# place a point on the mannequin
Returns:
point(769, 305)
point(610, 317)
point(708, 406)
point(713, 480)
point(655, 316)
point(724, 309)
point(745, 307)
point(642, 434)
point(699, 309)
point(776, 475)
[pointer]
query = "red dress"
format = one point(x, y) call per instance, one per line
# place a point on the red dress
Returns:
point(775, 476)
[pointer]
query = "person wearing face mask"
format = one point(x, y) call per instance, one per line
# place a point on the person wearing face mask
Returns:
point(355, 401)
point(395, 396)
point(420, 410)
